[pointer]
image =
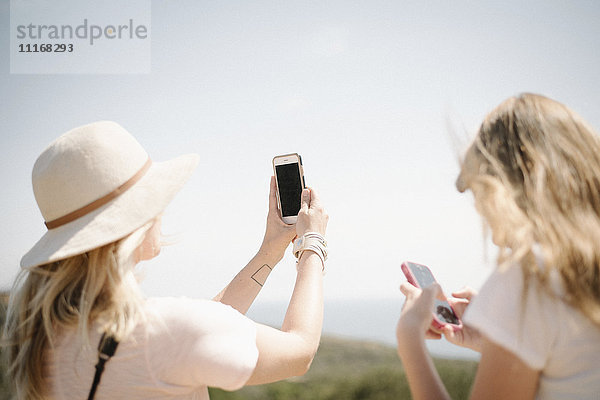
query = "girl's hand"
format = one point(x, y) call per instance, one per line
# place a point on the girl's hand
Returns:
point(312, 217)
point(278, 234)
point(416, 315)
point(466, 337)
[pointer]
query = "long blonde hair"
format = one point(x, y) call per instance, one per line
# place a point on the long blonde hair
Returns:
point(97, 286)
point(537, 183)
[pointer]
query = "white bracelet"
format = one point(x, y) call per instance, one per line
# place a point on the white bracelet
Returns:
point(311, 241)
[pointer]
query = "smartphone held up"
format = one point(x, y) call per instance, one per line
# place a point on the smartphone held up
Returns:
point(289, 176)
point(443, 314)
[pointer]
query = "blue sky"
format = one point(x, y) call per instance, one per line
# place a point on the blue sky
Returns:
point(363, 90)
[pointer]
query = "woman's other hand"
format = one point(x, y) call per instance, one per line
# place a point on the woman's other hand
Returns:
point(312, 217)
point(278, 234)
point(465, 337)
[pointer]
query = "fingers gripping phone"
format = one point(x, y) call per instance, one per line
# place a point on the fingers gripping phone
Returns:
point(420, 276)
point(289, 176)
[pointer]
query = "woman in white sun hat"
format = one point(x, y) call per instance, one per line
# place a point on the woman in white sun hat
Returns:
point(76, 301)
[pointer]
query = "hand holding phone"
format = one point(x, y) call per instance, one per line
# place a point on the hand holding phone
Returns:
point(289, 176)
point(278, 234)
point(443, 314)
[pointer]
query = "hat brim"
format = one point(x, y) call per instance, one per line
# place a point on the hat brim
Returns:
point(118, 218)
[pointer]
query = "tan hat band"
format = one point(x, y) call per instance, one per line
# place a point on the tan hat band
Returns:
point(80, 212)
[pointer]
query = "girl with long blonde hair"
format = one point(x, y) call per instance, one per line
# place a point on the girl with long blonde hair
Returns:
point(534, 171)
point(102, 199)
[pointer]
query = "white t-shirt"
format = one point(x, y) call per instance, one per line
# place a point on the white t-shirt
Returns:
point(185, 346)
point(545, 333)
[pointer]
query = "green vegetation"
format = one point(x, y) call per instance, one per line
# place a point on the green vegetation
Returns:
point(346, 369)
point(343, 369)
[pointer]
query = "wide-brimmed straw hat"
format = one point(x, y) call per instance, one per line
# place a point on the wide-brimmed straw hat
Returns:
point(96, 184)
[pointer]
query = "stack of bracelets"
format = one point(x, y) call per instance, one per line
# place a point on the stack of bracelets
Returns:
point(311, 241)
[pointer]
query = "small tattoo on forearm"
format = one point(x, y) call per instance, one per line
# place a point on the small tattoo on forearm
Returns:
point(261, 275)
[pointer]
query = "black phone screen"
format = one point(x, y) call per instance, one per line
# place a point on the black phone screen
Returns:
point(290, 188)
point(442, 309)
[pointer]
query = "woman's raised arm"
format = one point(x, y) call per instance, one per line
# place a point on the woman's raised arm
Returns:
point(245, 286)
point(290, 351)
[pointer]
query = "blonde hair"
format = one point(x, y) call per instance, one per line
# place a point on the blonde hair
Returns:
point(97, 286)
point(538, 184)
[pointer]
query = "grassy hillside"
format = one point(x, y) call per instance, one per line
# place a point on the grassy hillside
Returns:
point(346, 369)
point(343, 369)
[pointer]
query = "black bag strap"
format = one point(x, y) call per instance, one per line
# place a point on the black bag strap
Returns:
point(106, 349)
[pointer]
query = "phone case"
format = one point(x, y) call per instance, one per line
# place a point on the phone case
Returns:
point(302, 181)
point(410, 277)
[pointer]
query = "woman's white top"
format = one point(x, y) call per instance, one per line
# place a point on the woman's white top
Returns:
point(544, 332)
point(185, 346)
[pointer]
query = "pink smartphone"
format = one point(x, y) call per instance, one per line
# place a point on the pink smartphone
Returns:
point(420, 276)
